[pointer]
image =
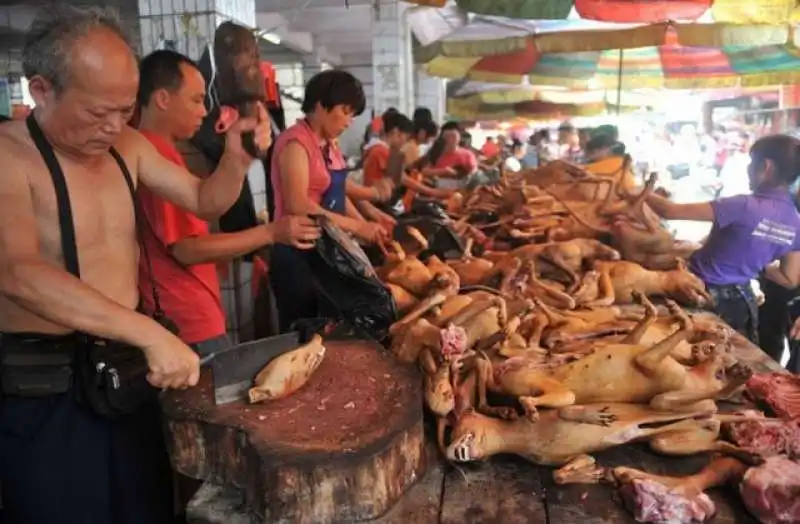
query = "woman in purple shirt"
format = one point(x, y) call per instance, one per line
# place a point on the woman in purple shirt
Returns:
point(749, 232)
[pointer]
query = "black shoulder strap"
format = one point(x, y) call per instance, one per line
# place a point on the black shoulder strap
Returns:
point(140, 218)
point(69, 247)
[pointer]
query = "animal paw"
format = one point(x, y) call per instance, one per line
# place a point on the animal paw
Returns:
point(529, 406)
point(739, 371)
point(599, 417)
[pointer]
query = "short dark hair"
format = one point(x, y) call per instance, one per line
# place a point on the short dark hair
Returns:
point(429, 126)
point(332, 88)
point(399, 121)
point(566, 127)
point(451, 126)
point(50, 39)
point(422, 113)
point(783, 151)
point(161, 70)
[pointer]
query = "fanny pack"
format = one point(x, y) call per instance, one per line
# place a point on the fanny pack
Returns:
point(108, 377)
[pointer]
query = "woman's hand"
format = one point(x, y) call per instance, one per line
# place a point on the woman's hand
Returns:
point(298, 231)
point(371, 232)
point(386, 221)
point(794, 333)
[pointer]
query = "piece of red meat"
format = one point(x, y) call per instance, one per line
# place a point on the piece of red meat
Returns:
point(767, 437)
point(779, 391)
point(453, 341)
point(771, 492)
point(652, 502)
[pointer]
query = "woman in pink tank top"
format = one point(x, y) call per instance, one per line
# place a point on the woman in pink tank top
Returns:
point(309, 177)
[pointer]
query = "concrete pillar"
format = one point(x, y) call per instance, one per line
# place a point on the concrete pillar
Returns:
point(392, 63)
point(188, 26)
point(430, 93)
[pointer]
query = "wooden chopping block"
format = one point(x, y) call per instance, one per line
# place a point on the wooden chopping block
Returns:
point(343, 448)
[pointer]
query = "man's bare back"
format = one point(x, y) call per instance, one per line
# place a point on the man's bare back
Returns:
point(103, 214)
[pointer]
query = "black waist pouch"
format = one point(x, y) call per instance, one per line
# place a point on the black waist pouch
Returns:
point(109, 378)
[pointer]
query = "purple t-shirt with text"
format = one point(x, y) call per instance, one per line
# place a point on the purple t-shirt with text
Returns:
point(749, 232)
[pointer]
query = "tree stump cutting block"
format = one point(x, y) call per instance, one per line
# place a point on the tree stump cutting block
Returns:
point(343, 448)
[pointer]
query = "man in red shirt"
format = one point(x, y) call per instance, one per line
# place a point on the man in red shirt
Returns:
point(182, 250)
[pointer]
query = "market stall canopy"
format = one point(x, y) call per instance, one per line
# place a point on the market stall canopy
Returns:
point(538, 110)
point(641, 11)
point(495, 94)
point(682, 56)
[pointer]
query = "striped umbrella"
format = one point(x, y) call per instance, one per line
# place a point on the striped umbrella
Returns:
point(685, 60)
point(637, 11)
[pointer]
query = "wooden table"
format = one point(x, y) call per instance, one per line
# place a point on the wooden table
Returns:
point(508, 490)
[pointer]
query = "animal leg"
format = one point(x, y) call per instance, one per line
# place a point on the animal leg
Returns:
point(650, 360)
point(486, 381)
point(606, 295)
point(580, 470)
point(540, 323)
point(685, 402)
point(557, 260)
point(587, 415)
point(474, 309)
point(509, 274)
point(427, 362)
point(703, 438)
point(554, 395)
point(422, 308)
point(650, 316)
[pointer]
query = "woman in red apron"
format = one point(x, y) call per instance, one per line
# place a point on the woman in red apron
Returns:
point(309, 177)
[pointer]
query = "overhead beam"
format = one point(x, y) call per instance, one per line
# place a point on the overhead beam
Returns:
point(276, 24)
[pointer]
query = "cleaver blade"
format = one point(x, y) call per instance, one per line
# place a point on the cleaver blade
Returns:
point(235, 368)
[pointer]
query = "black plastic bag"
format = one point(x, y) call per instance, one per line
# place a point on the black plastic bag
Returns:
point(346, 280)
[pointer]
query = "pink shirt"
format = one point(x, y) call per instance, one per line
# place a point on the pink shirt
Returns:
point(458, 157)
point(318, 177)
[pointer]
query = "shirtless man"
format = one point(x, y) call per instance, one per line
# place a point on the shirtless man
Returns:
point(59, 462)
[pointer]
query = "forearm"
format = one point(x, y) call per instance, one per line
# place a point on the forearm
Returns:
point(421, 188)
point(359, 192)
point(219, 191)
point(367, 210)
point(221, 247)
point(58, 297)
point(776, 273)
point(351, 211)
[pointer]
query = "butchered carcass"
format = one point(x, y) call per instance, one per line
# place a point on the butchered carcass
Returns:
point(771, 492)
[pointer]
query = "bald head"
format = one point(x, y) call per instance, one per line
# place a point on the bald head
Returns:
point(64, 43)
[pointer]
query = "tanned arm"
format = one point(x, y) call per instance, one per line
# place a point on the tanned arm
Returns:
point(221, 247)
point(359, 192)
point(665, 208)
point(293, 163)
point(47, 290)
point(785, 273)
point(207, 198)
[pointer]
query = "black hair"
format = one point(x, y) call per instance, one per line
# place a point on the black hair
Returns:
point(428, 126)
point(516, 144)
point(399, 121)
point(422, 113)
point(783, 151)
point(160, 70)
point(566, 127)
point(332, 88)
point(450, 126)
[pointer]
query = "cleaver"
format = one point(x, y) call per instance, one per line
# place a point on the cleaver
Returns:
point(234, 368)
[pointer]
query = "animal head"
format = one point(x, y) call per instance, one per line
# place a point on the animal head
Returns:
point(725, 371)
point(469, 438)
point(439, 394)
